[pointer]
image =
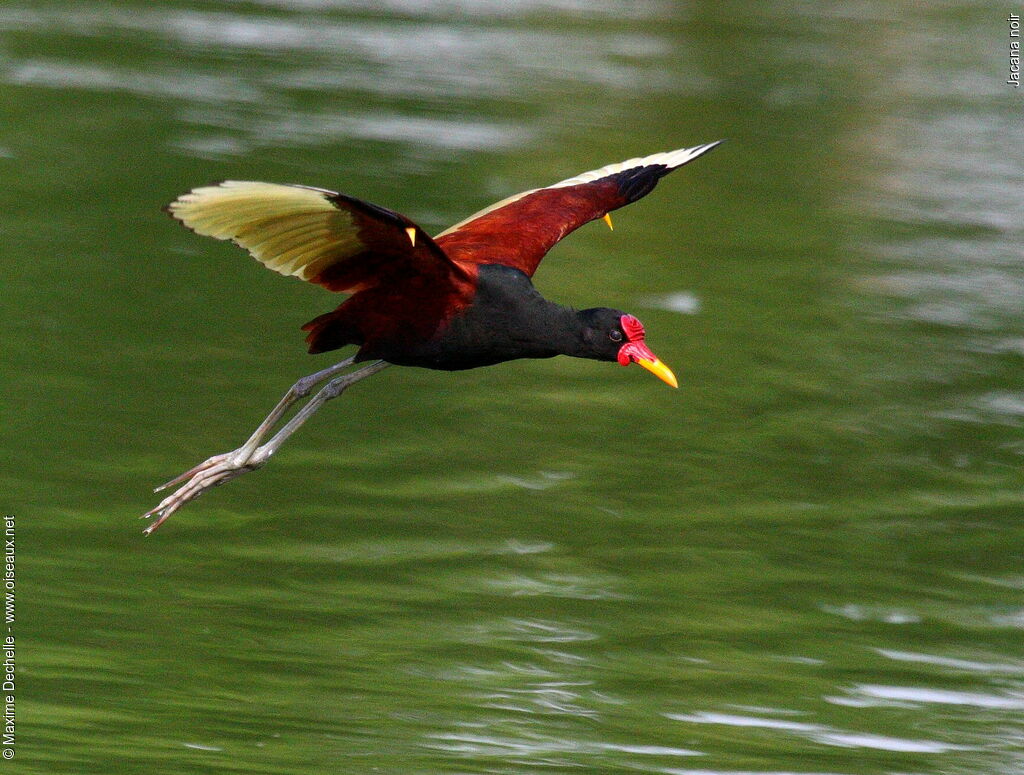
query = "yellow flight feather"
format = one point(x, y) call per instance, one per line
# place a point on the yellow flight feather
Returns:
point(293, 230)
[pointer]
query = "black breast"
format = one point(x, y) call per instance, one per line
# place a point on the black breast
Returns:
point(508, 319)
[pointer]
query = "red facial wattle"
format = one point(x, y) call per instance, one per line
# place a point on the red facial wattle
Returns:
point(636, 351)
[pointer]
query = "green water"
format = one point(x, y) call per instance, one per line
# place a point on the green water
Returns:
point(808, 559)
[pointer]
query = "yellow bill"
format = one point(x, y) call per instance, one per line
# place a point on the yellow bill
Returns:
point(659, 370)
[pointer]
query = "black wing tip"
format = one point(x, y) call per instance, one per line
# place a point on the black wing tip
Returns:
point(637, 182)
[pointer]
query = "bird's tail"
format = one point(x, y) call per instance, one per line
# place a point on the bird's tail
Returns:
point(330, 331)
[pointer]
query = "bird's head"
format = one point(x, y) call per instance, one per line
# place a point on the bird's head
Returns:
point(612, 335)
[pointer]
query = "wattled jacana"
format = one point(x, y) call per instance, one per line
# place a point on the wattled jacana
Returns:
point(460, 300)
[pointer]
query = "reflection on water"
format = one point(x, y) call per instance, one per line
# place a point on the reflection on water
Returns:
point(305, 55)
point(940, 696)
point(805, 560)
point(821, 734)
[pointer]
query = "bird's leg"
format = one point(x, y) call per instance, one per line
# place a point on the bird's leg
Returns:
point(250, 456)
point(240, 456)
point(332, 389)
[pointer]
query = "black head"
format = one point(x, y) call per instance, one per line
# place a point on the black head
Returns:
point(613, 335)
point(603, 336)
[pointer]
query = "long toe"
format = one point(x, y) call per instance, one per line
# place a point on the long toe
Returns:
point(216, 470)
point(212, 472)
point(210, 462)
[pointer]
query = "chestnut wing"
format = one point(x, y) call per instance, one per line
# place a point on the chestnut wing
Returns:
point(520, 230)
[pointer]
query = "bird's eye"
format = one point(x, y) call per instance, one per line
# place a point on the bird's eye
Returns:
point(615, 335)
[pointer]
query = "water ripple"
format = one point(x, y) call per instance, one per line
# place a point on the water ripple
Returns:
point(555, 585)
point(639, 9)
point(953, 663)
point(683, 302)
point(861, 613)
point(822, 734)
point(927, 695)
point(492, 745)
point(179, 83)
point(418, 52)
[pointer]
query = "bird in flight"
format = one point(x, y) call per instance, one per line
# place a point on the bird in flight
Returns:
point(456, 301)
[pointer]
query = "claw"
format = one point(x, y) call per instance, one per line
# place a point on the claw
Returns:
point(164, 514)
